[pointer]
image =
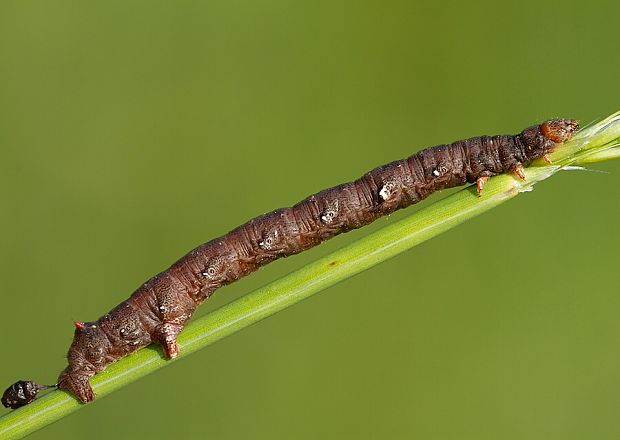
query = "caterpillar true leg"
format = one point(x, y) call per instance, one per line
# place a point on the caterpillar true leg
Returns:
point(518, 170)
point(480, 181)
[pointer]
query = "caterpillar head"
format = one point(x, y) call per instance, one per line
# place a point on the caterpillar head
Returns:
point(544, 138)
point(559, 130)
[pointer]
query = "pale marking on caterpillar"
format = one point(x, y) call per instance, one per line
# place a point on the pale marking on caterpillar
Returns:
point(388, 189)
point(159, 309)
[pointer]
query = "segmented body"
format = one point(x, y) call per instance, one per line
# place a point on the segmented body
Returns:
point(158, 310)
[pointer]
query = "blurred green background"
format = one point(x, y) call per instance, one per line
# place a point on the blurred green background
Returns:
point(132, 131)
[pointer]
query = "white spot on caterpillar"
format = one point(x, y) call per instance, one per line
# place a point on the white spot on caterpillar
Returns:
point(387, 190)
point(269, 241)
point(161, 308)
point(328, 217)
point(210, 272)
point(214, 268)
point(330, 214)
point(440, 170)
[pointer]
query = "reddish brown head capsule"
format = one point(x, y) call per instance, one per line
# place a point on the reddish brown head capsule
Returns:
point(22, 393)
point(559, 130)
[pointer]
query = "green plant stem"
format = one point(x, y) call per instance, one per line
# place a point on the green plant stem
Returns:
point(598, 142)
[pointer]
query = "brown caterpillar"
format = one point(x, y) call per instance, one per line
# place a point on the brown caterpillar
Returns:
point(158, 310)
